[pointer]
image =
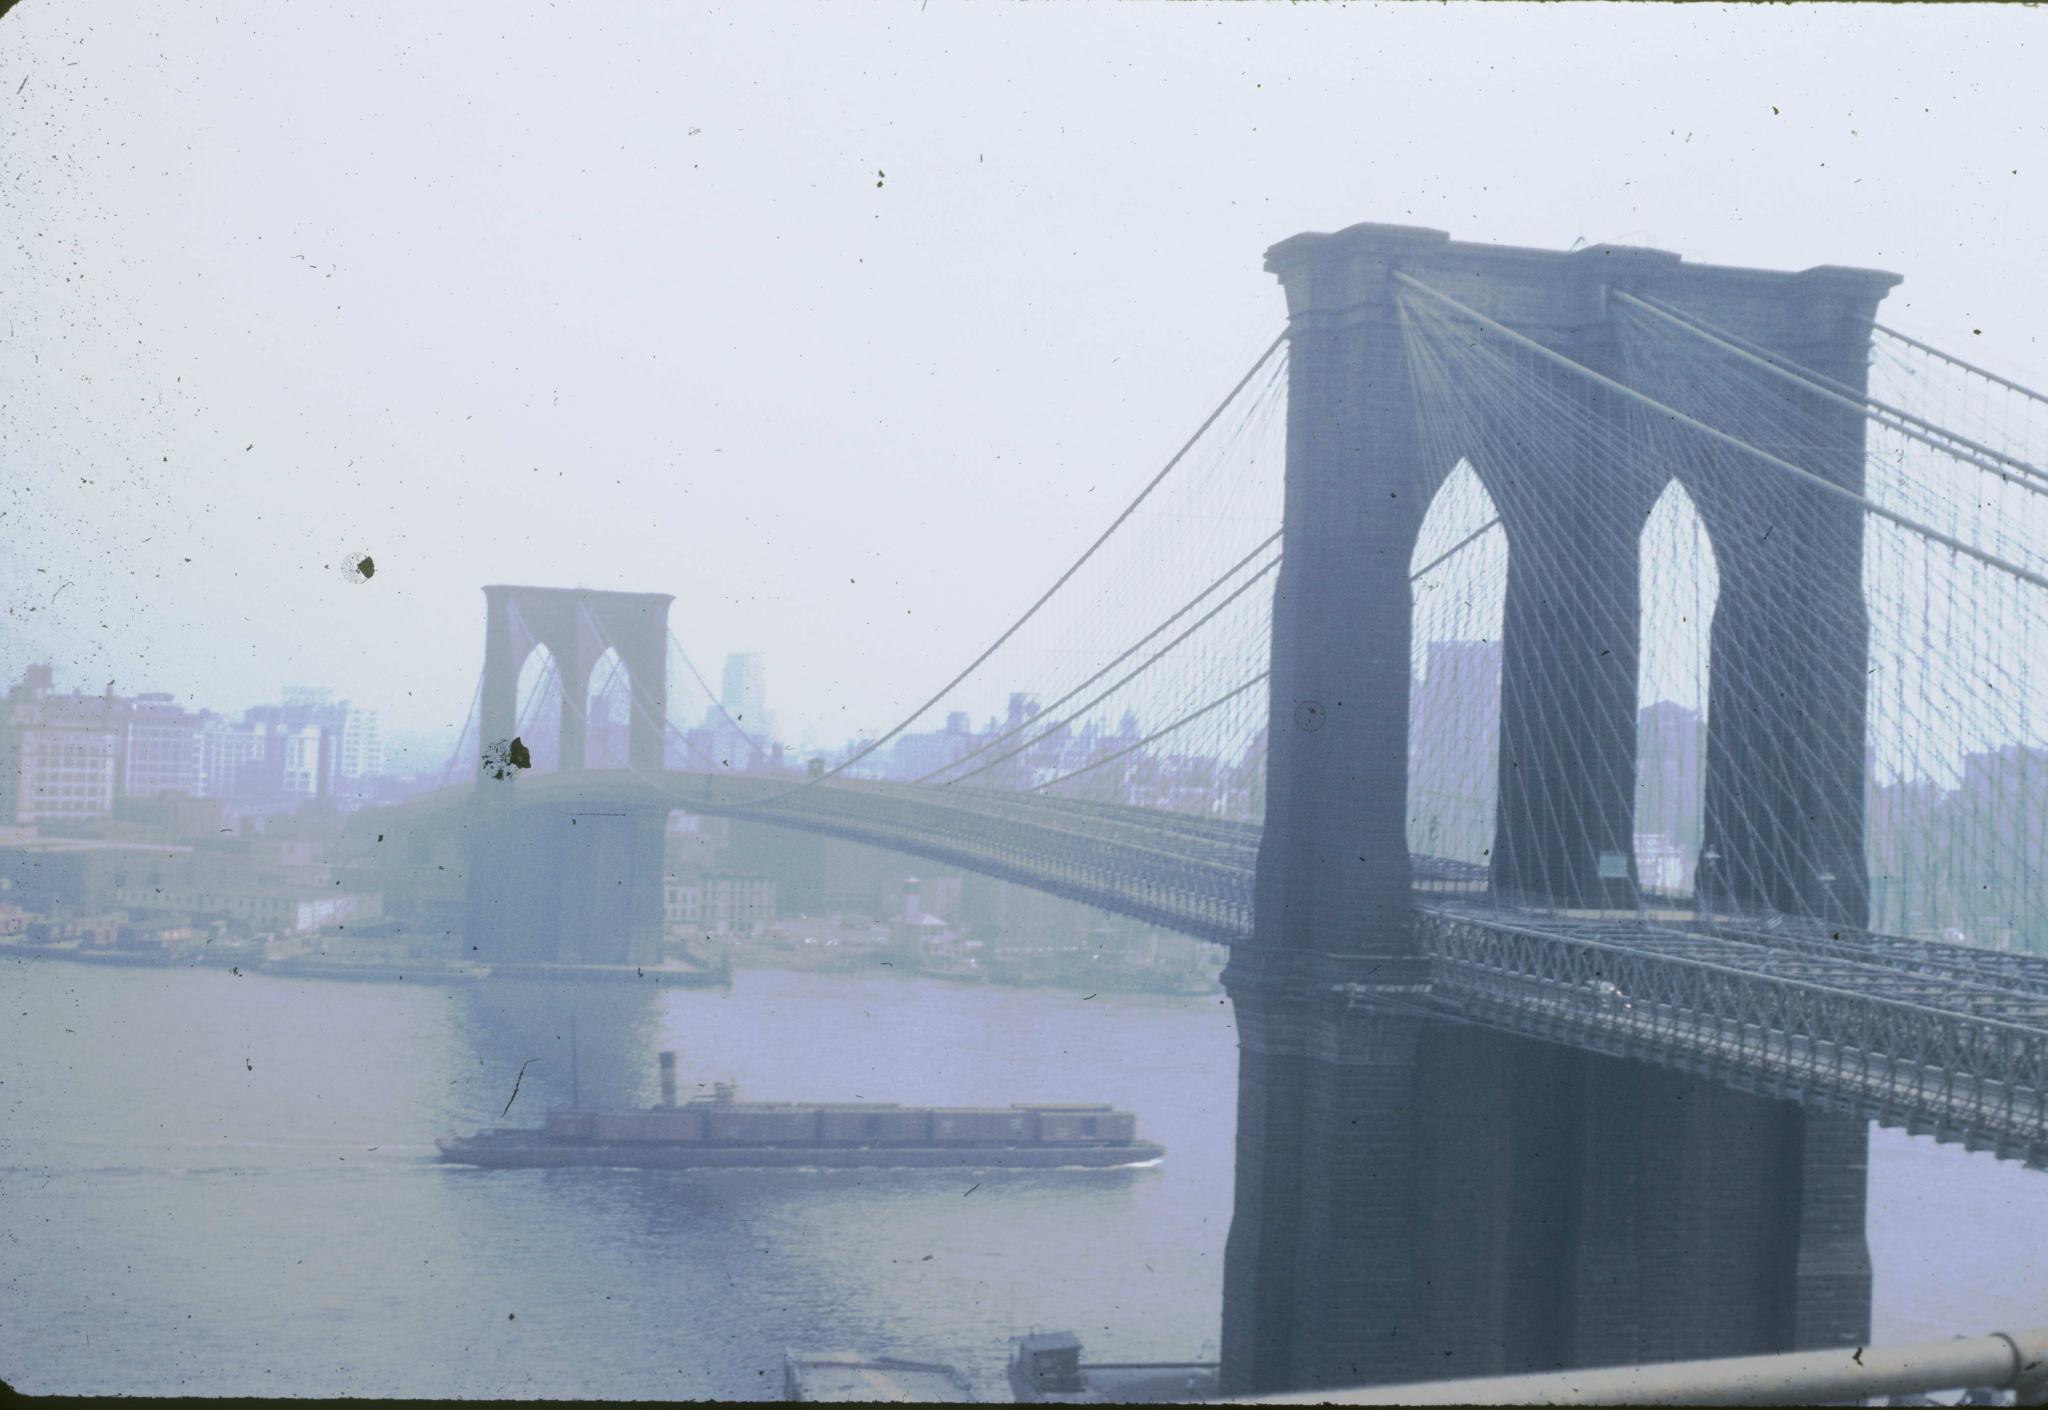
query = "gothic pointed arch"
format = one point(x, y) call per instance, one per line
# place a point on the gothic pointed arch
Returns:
point(607, 713)
point(1458, 582)
point(1681, 584)
point(537, 712)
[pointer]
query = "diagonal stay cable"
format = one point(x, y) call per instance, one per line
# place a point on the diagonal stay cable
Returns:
point(1152, 660)
point(1736, 442)
point(1122, 657)
point(1955, 361)
point(473, 717)
point(867, 797)
point(705, 686)
point(1190, 718)
point(1045, 597)
point(1917, 428)
point(1453, 551)
point(1787, 367)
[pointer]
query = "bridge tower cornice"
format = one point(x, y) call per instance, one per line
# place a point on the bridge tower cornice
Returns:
point(660, 600)
point(1345, 278)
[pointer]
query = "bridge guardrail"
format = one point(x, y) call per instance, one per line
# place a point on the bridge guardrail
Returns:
point(1845, 1375)
point(1978, 1080)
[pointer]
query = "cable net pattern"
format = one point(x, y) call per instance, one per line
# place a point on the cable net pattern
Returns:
point(1885, 541)
point(1870, 534)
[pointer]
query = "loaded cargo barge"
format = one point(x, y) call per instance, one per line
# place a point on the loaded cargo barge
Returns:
point(720, 1131)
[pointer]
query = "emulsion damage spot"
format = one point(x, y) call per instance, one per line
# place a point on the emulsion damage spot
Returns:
point(506, 758)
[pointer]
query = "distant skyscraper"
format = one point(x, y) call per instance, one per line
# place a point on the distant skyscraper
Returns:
point(745, 693)
point(744, 698)
point(300, 760)
point(362, 745)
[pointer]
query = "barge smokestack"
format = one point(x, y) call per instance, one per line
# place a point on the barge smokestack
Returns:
point(668, 1079)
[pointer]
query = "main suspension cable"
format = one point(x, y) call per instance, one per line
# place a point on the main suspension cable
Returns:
point(1045, 597)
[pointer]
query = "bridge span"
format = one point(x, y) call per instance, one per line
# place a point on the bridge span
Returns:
point(1943, 1039)
point(1525, 1111)
point(1716, 1027)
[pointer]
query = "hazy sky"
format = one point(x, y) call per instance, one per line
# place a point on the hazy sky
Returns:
point(848, 326)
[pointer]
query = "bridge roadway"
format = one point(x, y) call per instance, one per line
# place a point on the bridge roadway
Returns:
point(1947, 1040)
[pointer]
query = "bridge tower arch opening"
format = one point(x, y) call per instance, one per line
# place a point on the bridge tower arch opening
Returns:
point(1416, 1197)
point(608, 713)
point(1458, 570)
point(578, 626)
point(1681, 583)
point(537, 715)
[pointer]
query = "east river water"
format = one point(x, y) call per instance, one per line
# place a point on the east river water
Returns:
point(219, 1184)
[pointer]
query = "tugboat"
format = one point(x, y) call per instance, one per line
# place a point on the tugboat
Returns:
point(722, 1131)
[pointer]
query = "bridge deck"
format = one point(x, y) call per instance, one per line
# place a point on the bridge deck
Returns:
point(1946, 1039)
point(1833, 1042)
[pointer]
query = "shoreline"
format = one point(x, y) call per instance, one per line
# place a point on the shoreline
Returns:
point(367, 971)
point(379, 971)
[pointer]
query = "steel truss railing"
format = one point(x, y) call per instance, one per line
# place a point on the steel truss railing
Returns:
point(1179, 870)
point(2004, 971)
point(1957, 1076)
point(1121, 870)
point(1938, 976)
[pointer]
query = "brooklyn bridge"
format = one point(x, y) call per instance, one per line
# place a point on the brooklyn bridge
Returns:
point(1513, 1094)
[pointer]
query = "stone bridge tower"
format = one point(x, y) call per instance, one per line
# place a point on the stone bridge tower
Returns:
point(1416, 1199)
point(568, 880)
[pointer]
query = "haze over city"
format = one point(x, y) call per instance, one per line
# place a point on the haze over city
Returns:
point(1090, 703)
point(816, 319)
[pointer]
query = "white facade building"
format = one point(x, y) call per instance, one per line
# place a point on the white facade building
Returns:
point(362, 745)
point(298, 755)
point(59, 754)
point(162, 750)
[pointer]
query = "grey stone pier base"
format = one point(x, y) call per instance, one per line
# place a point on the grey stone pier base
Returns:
point(562, 884)
point(1418, 1199)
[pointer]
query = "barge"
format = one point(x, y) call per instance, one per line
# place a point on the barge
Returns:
point(721, 1131)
